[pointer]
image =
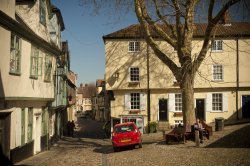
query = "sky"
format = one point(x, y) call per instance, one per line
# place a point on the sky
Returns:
point(84, 32)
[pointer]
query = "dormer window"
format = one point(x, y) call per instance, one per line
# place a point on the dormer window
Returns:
point(134, 46)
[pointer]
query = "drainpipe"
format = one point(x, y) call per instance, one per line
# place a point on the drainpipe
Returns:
point(237, 76)
point(148, 90)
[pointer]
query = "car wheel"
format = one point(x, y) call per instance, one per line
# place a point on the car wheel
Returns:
point(115, 149)
point(140, 145)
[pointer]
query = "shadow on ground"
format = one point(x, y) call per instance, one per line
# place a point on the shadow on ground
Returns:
point(67, 142)
point(237, 139)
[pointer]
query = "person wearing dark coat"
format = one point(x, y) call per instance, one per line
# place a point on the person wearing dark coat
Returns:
point(72, 127)
point(69, 128)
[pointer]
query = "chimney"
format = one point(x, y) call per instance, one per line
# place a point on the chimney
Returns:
point(225, 19)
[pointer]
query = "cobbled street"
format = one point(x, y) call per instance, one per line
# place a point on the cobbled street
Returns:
point(88, 148)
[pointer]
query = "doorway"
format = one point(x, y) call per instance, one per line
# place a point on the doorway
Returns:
point(246, 106)
point(200, 109)
point(163, 109)
point(5, 119)
point(138, 120)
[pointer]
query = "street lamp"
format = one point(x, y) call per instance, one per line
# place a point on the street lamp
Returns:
point(116, 75)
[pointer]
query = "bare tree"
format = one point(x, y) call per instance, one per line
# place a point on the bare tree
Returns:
point(178, 16)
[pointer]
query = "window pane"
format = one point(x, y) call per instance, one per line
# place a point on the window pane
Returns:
point(217, 72)
point(178, 102)
point(48, 68)
point(134, 46)
point(137, 46)
point(217, 102)
point(15, 54)
point(42, 12)
point(135, 100)
point(34, 62)
point(217, 45)
point(134, 74)
point(131, 46)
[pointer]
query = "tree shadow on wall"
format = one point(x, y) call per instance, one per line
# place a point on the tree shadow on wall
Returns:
point(119, 60)
point(237, 139)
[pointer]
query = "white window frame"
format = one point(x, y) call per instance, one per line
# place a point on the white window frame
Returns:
point(178, 102)
point(15, 55)
point(217, 102)
point(217, 46)
point(134, 74)
point(134, 46)
point(217, 73)
point(177, 122)
point(135, 101)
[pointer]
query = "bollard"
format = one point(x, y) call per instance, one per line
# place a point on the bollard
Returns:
point(197, 139)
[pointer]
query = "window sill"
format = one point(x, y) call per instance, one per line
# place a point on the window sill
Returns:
point(178, 114)
point(134, 51)
point(47, 81)
point(34, 77)
point(134, 83)
point(217, 111)
point(217, 80)
point(15, 73)
point(134, 111)
point(217, 51)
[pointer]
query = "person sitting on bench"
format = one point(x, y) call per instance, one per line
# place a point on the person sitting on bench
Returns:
point(198, 126)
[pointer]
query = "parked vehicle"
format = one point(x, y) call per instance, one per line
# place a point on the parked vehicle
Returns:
point(126, 134)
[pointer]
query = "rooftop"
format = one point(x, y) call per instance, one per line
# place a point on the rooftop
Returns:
point(234, 29)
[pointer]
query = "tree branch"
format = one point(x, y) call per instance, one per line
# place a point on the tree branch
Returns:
point(157, 28)
point(162, 18)
point(166, 60)
point(211, 25)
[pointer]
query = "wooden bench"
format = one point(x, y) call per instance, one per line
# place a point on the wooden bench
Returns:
point(180, 134)
point(176, 135)
point(208, 130)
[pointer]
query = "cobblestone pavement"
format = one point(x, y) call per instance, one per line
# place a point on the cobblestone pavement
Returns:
point(228, 147)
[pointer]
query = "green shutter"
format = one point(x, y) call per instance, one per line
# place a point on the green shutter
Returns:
point(30, 124)
point(44, 121)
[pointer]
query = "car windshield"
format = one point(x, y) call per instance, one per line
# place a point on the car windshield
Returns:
point(122, 129)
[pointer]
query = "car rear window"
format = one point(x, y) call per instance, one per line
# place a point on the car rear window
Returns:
point(122, 129)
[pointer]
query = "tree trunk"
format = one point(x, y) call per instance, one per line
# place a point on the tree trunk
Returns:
point(187, 89)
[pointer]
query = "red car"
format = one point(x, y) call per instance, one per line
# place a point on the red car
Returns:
point(126, 134)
